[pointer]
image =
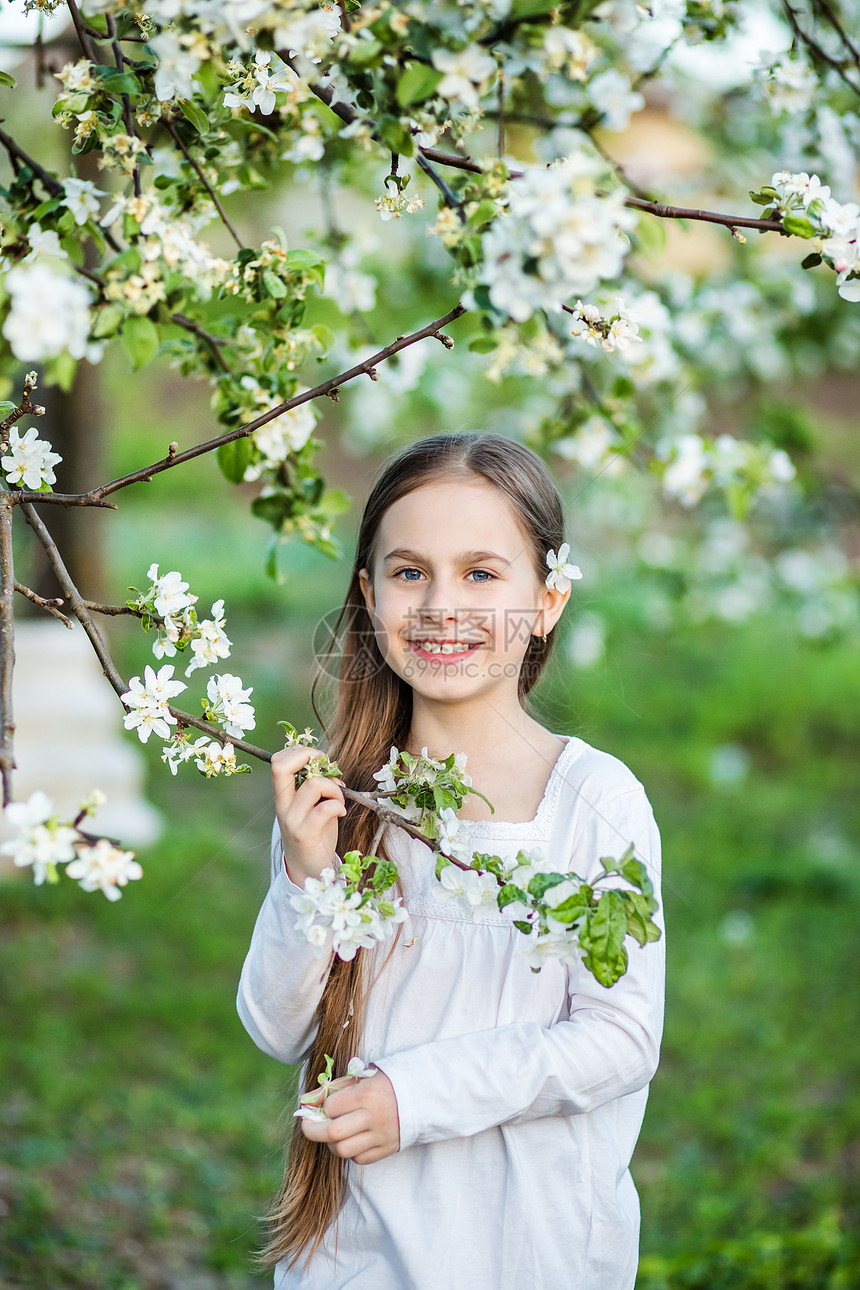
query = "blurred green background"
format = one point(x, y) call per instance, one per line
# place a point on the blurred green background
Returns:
point(142, 1131)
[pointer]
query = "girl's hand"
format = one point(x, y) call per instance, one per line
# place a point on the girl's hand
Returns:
point(307, 815)
point(363, 1124)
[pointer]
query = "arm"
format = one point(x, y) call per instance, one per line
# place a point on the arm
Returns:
point(609, 1046)
point(282, 978)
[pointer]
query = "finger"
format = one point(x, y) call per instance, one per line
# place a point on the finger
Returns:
point(315, 789)
point(335, 1131)
point(361, 1144)
point(343, 1100)
point(371, 1157)
point(284, 766)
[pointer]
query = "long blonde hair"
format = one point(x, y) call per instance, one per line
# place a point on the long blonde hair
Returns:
point(373, 711)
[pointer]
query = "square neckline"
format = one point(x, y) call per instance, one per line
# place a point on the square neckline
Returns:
point(512, 828)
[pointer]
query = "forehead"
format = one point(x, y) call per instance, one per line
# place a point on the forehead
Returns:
point(451, 515)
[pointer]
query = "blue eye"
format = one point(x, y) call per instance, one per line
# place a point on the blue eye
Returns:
point(481, 575)
point(407, 574)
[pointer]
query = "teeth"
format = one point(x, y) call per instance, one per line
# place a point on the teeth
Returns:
point(433, 647)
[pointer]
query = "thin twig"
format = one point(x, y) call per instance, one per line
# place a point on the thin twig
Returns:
point(836, 24)
point(74, 599)
point(25, 408)
point(214, 342)
point(816, 51)
point(53, 185)
point(450, 197)
point(21, 496)
point(171, 129)
point(51, 606)
point(128, 118)
point(81, 32)
point(7, 647)
point(328, 387)
point(111, 610)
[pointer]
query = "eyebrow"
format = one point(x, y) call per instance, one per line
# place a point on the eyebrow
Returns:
point(466, 557)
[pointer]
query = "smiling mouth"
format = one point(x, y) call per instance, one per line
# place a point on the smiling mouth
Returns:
point(446, 648)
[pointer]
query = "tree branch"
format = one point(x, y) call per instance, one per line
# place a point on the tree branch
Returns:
point(212, 341)
point(25, 408)
point(329, 387)
point(817, 53)
point(7, 647)
point(80, 30)
point(128, 118)
point(174, 133)
point(52, 606)
point(54, 187)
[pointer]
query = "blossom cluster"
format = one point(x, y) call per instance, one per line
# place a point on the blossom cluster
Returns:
point(29, 461)
point(693, 463)
point(44, 842)
point(349, 909)
point(832, 228)
point(168, 606)
point(563, 233)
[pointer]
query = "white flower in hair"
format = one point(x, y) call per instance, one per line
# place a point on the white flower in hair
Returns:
point(561, 574)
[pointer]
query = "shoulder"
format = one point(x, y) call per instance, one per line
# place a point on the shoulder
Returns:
point(584, 768)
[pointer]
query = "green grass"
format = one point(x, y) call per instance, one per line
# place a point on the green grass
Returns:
point(140, 1133)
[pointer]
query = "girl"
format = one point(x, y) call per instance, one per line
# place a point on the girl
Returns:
point(491, 1146)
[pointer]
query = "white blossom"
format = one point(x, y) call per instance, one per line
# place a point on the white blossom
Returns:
point(43, 242)
point(229, 704)
point(472, 889)
point(169, 593)
point(283, 435)
point(82, 198)
point(212, 643)
point(615, 99)
point(561, 573)
point(177, 66)
point(215, 758)
point(466, 74)
point(104, 867)
point(30, 461)
point(148, 701)
point(558, 239)
point(454, 835)
point(42, 842)
point(789, 85)
point(49, 314)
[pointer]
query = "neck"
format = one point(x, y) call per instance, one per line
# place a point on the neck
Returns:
point(480, 729)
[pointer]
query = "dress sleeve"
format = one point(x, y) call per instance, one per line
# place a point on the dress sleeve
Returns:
point(605, 1047)
point(282, 979)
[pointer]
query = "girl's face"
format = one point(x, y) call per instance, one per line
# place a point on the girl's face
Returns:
point(453, 593)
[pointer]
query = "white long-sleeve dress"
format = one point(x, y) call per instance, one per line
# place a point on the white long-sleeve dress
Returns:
point(520, 1095)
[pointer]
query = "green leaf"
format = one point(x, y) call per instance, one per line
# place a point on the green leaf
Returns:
point(324, 336)
point(364, 52)
point(233, 458)
point(651, 235)
point(140, 340)
point(274, 285)
point(417, 83)
point(335, 501)
point(7, 79)
point(509, 893)
point(571, 909)
point(638, 909)
point(798, 226)
point(532, 8)
point(107, 322)
point(116, 82)
point(385, 875)
point(484, 345)
point(542, 882)
point(811, 261)
point(195, 115)
point(602, 939)
point(6, 409)
point(396, 136)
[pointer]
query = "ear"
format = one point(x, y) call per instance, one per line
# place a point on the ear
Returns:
point(366, 585)
point(551, 603)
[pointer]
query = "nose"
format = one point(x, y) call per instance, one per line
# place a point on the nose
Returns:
point(437, 605)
